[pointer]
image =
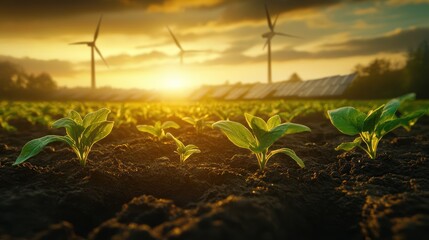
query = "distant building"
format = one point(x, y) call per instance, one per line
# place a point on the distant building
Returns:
point(294, 78)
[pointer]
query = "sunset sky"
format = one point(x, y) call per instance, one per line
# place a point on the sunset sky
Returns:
point(336, 35)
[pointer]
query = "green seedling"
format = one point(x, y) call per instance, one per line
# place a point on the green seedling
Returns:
point(263, 135)
point(199, 123)
point(372, 127)
point(81, 135)
point(183, 151)
point(158, 129)
point(288, 116)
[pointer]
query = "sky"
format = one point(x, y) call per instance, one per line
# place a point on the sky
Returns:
point(335, 36)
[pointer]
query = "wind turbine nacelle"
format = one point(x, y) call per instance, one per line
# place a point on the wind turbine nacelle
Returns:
point(268, 35)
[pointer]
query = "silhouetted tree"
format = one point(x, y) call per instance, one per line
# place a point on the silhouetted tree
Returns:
point(41, 82)
point(379, 79)
point(417, 70)
point(16, 84)
point(295, 78)
point(11, 77)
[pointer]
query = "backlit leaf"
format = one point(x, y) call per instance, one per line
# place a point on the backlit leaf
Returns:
point(236, 133)
point(35, 146)
point(347, 120)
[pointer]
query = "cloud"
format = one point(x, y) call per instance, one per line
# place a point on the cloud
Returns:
point(53, 67)
point(398, 42)
point(406, 2)
point(361, 24)
point(365, 11)
point(124, 59)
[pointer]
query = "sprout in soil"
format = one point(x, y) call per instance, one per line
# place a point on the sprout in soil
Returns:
point(373, 126)
point(263, 135)
point(183, 151)
point(81, 135)
point(158, 129)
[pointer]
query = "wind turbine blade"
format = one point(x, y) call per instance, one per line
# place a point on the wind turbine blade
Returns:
point(270, 24)
point(286, 35)
point(175, 39)
point(266, 43)
point(99, 53)
point(79, 43)
point(196, 51)
point(275, 21)
point(98, 29)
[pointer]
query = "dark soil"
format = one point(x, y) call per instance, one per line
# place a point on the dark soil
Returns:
point(135, 188)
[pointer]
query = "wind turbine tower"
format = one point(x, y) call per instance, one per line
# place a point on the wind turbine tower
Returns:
point(94, 48)
point(269, 36)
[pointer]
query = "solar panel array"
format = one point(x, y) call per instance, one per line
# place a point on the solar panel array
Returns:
point(221, 91)
point(261, 91)
point(200, 93)
point(237, 92)
point(332, 86)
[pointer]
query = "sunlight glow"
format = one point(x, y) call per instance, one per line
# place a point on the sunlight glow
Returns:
point(174, 80)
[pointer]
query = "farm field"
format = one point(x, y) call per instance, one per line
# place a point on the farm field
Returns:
point(133, 185)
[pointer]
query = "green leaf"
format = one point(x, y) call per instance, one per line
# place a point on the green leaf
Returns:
point(189, 120)
point(170, 124)
point(64, 122)
point(237, 133)
point(288, 152)
point(407, 97)
point(148, 129)
point(273, 122)
point(347, 120)
point(97, 116)
point(75, 116)
point(389, 110)
point(266, 139)
point(189, 150)
point(256, 123)
point(96, 131)
point(190, 147)
point(372, 119)
point(404, 121)
point(348, 146)
point(179, 143)
point(73, 129)
point(35, 146)
point(292, 128)
point(417, 114)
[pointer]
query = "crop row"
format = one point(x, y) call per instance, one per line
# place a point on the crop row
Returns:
point(129, 114)
point(368, 128)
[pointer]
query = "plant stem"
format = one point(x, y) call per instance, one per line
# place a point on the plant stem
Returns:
point(262, 159)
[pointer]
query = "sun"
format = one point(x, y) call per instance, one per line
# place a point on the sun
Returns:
point(174, 81)
point(174, 84)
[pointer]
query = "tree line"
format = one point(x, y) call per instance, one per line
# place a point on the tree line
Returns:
point(383, 78)
point(16, 84)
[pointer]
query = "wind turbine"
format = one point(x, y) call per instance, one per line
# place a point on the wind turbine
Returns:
point(93, 47)
point(182, 51)
point(269, 36)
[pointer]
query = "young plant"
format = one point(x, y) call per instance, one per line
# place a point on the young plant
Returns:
point(157, 130)
point(371, 127)
point(183, 151)
point(199, 123)
point(81, 135)
point(263, 135)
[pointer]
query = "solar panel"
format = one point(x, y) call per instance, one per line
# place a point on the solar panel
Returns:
point(237, 92)
point(200, 93)
point(261, 91)
point(220, 91)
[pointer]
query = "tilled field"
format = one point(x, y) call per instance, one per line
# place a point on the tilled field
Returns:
point(134, 187)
